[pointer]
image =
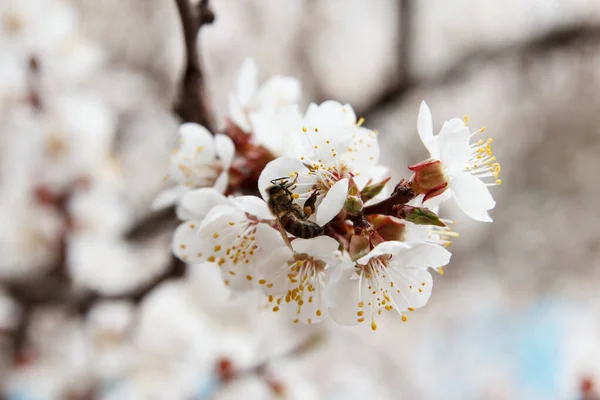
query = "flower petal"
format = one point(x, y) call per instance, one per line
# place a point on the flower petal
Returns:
point(225, 149)
point(222, 182)
point(254, 205)
point(282, 167)
point(343, 297)
point(197, 203)
point(412, 287)
point(186, 243)
point(247, 82)
point(268, 239)
point(237, 114)
point(391, 247)
point(197, 143)
point(453, 145)
point(278, 92)
point(168, 197)
point(472, 196)
point(276, 270)
point(425, 129)
point(333, 202)
point(424, 255)
point(322, 247)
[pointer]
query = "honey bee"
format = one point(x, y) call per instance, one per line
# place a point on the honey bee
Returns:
point(290, 216)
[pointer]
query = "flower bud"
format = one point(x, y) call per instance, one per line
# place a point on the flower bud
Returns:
point(429, 178)
point(418, 215)
point(388, 227)
point(353, 205)
point(373, 190)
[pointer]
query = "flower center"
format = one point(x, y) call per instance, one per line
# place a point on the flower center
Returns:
point(379, 286)
point(304, 280)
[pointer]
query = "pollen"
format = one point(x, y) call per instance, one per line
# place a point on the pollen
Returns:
point(441, 270)
point(249, 277)
point(231, 223)
point(316, 129)
point(304, 129)
point(218, 247)
point(199, 149)
point(360, 122)
point(318, 313)
point(192, 226)
point(466, 119)
point(211, 258)
point(262, 281)
point(296, 196)
point(182, 247)
point(373, 326)
point(316, 147)
point(215, 235)
point(404, 318)
point(410, 309)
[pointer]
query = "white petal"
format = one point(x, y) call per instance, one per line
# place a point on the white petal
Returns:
point(237, 114)
point(247, 81)
point(268, 239)
point(472, 196)
point(168, 197)
point(276, 270)
point(414, 286)
point(453, 145)
point(281, 167)
point(187, 245)
point(197, 203)
point(321, 247)
point(220, 210)
point(222, 182)
point(196, 142)
point(424, 255)
point(278, 92)
point(425, 129)
point(225, 149)
point(391, 247)
point(343, 297)
point(254, 206)
point(333, 202)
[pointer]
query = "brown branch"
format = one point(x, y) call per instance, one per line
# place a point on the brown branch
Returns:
point(402, 194)
point(192, 104)
point(558, 39)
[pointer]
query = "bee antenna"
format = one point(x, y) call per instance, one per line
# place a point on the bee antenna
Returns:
point(273, 181)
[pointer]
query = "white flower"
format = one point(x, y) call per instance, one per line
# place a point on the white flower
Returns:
point(236, 234)
point(299, 278)
point(202, 160)
point(249, 100)
point(393, 276)
point(330, 149)
point(464, 164)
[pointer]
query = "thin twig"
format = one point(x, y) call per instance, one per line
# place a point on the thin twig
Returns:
point(558, 39)
point(192, 104)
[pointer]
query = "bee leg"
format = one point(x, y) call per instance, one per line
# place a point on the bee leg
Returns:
point(309, 205)
point(292, 183)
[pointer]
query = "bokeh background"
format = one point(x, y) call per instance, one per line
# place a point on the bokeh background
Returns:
point(89, 310)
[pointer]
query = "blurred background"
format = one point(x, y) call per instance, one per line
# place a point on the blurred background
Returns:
point(91, 304)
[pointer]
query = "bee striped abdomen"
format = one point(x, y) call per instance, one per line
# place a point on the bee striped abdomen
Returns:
point(300, 228)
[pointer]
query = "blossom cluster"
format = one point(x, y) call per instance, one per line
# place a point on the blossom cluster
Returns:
point(297, 206)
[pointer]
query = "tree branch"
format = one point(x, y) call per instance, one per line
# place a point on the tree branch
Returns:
point(558, 39)
point(192, 104)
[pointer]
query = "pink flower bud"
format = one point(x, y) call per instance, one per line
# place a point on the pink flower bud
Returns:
point(429, 178)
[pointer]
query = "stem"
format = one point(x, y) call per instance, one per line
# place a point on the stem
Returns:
point(402, 195)
point(192, 104)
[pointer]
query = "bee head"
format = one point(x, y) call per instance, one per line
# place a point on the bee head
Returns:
point(273, 190)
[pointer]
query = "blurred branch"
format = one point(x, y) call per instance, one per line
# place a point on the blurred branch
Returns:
point(192, 104)
point(151, 224)
point(557, 39)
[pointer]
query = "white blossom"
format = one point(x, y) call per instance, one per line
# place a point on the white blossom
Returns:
point(297, 278)
point(466, 165)
point(263, 111)
point(235, 234)
point(202, 160)
point(331, 148)
point(392, 276)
